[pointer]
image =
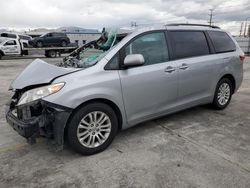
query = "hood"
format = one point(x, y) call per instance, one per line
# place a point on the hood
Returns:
point(39, 72)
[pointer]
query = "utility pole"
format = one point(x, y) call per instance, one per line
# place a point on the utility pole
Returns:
point(241, 27)
point(211, 17)
point(245, 30)
point(248, 34)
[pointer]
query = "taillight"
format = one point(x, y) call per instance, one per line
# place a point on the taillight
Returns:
point(242, 57)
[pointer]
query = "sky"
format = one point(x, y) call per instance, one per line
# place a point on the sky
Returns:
point(30, 14)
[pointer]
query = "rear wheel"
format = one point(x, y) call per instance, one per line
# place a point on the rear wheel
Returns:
point(92, 128)
point(64, 43)
point(223, 94)
point(51, 53)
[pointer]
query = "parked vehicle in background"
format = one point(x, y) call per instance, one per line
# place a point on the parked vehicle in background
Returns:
point(15, 47)
point(50, 39)
point(23, 39)
point(113, 85)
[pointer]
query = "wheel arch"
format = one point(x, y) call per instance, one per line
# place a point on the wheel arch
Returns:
point(100, 100)
point(231, 78)
point(1, 52)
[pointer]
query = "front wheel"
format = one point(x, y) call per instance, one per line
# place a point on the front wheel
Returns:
point(92, 128)
point(39, 44)
point(223, 94)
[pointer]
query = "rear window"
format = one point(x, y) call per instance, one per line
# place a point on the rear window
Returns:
point(189, 44)
point(221, 41)
point(8, 35)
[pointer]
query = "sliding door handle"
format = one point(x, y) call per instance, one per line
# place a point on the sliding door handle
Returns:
point(170, 69)
point(184, 66)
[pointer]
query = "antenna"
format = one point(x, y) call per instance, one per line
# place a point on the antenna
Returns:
point(211, 17)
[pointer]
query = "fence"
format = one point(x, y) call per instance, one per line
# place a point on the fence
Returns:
point(244, 43)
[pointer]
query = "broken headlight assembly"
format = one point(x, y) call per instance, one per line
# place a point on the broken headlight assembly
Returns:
point(41, 92)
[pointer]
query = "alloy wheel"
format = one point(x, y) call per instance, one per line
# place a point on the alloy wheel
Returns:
point(223, 95)
point(94, 129)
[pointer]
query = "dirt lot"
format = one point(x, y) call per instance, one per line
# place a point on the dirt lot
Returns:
point(198, 147)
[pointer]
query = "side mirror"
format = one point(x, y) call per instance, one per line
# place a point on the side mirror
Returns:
point(133, 60)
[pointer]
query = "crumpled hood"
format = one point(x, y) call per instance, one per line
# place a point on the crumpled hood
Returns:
point(39, 72)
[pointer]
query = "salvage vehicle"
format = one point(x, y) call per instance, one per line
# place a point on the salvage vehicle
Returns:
point(50, 39)
point(111, 85)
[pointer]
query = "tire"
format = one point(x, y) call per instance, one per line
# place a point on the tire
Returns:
point(80, 130)
point(39, 44)
point(224, 87)
point(51, 53)
point(1, 56)
point(64, 43)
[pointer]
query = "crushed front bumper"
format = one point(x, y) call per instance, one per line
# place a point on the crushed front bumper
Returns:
point(27, 128)
point(47, 120)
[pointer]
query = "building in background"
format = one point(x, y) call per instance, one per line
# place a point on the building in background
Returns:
point(244, 43)
point(79, 35)
point(76, 34)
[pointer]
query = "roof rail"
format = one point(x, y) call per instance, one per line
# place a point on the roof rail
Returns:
point(186, 24)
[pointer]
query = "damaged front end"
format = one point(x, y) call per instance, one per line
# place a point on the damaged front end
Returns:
point(28, 113)
point(37, 118)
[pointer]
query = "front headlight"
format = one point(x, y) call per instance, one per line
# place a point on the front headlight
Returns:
point(38, 93)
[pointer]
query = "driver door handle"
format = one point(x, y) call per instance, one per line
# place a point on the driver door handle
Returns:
point(170, 69)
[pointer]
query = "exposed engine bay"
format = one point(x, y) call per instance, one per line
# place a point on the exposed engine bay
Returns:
point(90, 53)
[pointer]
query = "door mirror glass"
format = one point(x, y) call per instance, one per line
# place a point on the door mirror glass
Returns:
point(133, 60)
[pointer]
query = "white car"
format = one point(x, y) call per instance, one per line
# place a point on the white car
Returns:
point(24, 39)
point(9, 47)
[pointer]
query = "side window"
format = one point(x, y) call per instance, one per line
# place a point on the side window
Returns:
point(113, 64)
point(188, 44)
point(8, 35)
point(12, 36)
point(4, 35)
point(152, 46)
point(10, 43)
point(221, 41)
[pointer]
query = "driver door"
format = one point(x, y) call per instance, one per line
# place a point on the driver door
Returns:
point(149, 90)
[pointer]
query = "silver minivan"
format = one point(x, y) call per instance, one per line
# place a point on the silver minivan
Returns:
point(118, 81)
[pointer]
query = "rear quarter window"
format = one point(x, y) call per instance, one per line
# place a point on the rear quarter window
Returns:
point(188, 44)
point(221, 41)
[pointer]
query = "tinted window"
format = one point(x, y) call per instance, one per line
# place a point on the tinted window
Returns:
point(152, 46)
point(58, 34)
point(221, 41)
point(8, 35)
point(4, 35)
point(189, 43)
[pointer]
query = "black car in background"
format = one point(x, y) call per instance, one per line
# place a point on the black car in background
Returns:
point(50, 39)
